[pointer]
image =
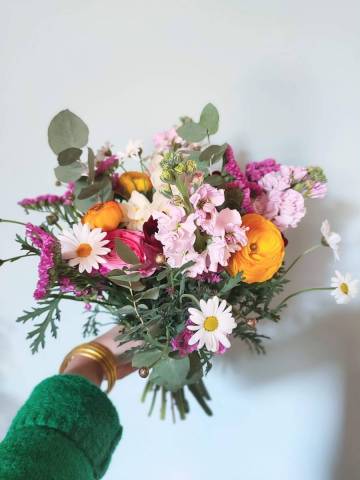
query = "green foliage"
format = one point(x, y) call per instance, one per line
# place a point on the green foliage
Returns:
point(147, 358)
point(69, 173)
point(68, 156)
point(67, 130)
point(170, 372)
point(49, 308)
point(125, 252)
point(209, 118)
point(192, 132)
point(213, 153)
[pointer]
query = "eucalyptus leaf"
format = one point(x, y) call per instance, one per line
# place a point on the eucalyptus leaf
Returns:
point(67, 130)
point(125, 252)
point(209, 118)
point(233, 198)
point(83, 205)
point(214, 180)
point(89, 191)
point(150, 294)
point(68, 156)
point(126, 310)
point(69, 173)
point(170, 373)
point(213, 153)
point(131, 277)
point(146, 359)
point(91, 165)
point(196, 369)
point(192, 132)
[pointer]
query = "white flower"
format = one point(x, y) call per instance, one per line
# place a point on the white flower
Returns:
point(133, 148)
point(345, 287)
point(138, 209)
point(104, 151)
point(84, 247)
point(330, 239)
point(212, 324)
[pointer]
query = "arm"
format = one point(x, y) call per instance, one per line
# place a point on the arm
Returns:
point(67, 429)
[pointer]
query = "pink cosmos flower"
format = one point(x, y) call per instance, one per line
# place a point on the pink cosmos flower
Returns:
point(146, 253)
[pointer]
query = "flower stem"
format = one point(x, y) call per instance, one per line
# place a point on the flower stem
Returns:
point(303, 291)
point(3, 220)
point(309, 250)
point(79, 299)
point(13, 259)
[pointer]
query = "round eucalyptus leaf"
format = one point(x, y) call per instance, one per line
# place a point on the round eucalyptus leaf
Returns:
point(68, 156)
point(67, 130)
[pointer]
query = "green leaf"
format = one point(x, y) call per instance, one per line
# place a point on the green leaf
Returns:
point(51, 309)
point(196, 369)
point(231, 283)
point(83, 205)
point(126, 310)
point(146, 359)
point(125, 252)
point(67, 130)
point(214, 180)
point(131, 277)
point(213, 153)
point(209, 118)
point(233, 198)
point(170, 373)
point(150, 294)
point(68, 156)
point(69, 173)
point(91, 165)
point(192, 132)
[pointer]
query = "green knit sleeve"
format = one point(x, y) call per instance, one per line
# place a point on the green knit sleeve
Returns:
point(67, 429)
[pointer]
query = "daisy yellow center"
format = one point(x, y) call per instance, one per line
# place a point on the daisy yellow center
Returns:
point(344, 287)
point(83, 250)
point(211, 323)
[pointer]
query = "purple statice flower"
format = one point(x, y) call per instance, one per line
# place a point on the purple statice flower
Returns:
point(46, 243)
point(209, 277)
point(66, 286)
point(180, 343)
point(87, 307)
point(48, 199)
point(107, 164)
point(240, 181)
point(256, 170)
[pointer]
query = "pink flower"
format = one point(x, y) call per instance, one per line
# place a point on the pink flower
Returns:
point(47, 244)
point(164, 141)
point(66, 286)
point(256, 170)
point(206, 198)
point(317, 190)
point(284, 208)
point(146, 253)
point(181, 342)
point(106, 164)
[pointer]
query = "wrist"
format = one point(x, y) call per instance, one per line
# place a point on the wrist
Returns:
point(85, 367)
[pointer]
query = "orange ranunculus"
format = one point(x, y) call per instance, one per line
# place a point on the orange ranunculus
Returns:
point(130, 181)
point(106, 216)
point(262, 257)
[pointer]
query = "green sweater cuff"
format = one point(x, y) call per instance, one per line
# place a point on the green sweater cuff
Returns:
point(78, 409)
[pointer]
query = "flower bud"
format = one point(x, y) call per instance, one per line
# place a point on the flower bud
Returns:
point(106, 216)
point(130, 181)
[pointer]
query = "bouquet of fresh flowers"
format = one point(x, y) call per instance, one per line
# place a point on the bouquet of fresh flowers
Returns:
point(184, 253)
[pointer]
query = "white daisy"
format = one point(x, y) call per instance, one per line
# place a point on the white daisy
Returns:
point(84, 247)
point(133, 148)
point(104, 151)
point(330, 239)
point(345, 287)
point(212, 324)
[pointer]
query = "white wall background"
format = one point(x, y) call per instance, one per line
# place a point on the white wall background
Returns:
point(285, 76)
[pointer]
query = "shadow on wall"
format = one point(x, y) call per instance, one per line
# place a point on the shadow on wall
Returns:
point(9, 405)
point(310, 336)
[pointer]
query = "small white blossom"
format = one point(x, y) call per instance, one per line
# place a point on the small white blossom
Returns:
point(330, 239)
point(345, 287)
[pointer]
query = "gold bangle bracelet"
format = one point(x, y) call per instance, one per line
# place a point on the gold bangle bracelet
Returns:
point(99, 353)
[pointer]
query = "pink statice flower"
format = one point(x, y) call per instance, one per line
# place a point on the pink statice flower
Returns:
point(49, 199)
point(47, 245)
point(67, 286)
point(240, 181)
point(180, 343)
point(108, 163)
point(164, 141)
point(256, 170)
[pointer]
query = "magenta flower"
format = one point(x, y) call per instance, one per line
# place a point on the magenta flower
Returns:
point(46, 243)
